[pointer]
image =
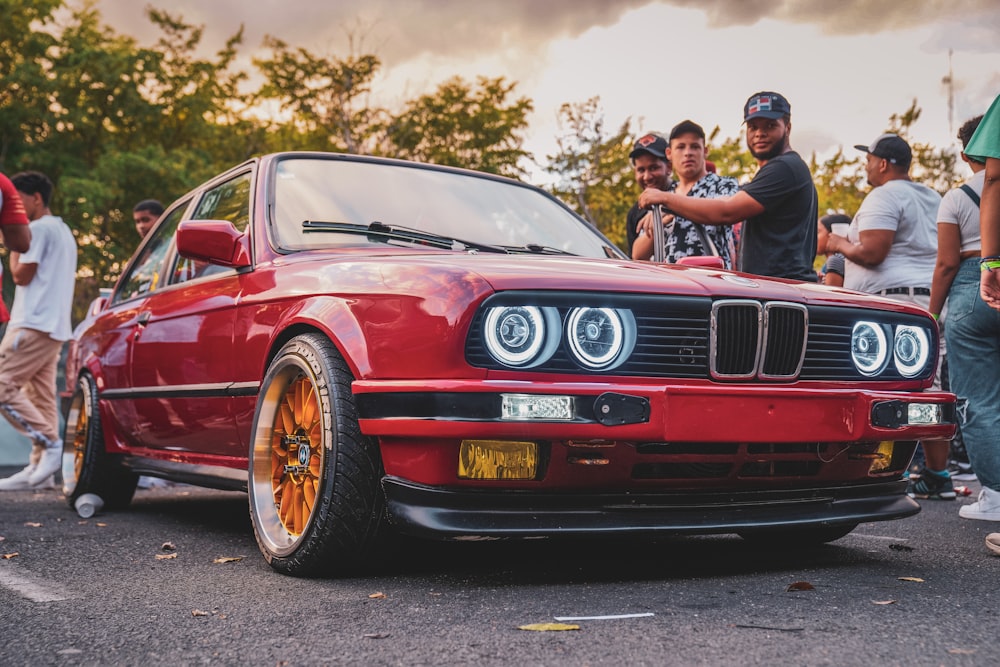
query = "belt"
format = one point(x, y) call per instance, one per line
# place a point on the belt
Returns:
point(912, 291)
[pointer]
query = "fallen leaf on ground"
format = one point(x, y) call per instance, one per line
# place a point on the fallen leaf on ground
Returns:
point(800, 586)
point(11, 555)
point(883, 602)
point(377, 596)
point(376, 635)
point(101, 525)
point(546, 627)
point(199, 612)
point(165, 556)
point(916, 579)
point(2, 538)
point(32, 524)
point(168, 546)
point(900, 547)
point(228, 559)
point(962, 651)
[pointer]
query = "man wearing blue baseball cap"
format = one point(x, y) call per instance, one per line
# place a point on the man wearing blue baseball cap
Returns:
point(780, 204)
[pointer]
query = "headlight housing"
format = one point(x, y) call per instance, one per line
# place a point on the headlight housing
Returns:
point(911, 350)
point(873, 345)
point(521, 336)
point(600, 338)
point(869, 348)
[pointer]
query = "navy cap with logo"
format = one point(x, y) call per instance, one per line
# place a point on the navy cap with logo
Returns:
point(766, 105)
point(651, 143)
point(891, 147)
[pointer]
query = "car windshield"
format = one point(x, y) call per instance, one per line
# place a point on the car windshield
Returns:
point(472, 209)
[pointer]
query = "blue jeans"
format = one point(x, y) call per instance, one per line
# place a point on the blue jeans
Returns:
point(972, 334)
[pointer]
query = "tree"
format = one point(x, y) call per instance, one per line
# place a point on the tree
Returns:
point(464, 126)
point(935, 168)
point(326, 96)
point(593, 168)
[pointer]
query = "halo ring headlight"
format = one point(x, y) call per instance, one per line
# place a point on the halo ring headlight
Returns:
point(869, 348)
point(521, 336)
point(600, 338)
point(911, 350)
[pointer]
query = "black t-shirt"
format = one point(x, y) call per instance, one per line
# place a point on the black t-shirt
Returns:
point(781, 241)
point(634, 216)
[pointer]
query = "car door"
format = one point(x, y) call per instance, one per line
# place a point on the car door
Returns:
point(117, 328)
point(182, 355)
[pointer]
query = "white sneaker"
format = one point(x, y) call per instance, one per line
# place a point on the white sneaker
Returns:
point(993, 543)
point(19, 480)
point(987, 508)
point(48, 465)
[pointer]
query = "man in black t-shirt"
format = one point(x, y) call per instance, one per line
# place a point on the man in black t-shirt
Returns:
point(779, 205)
point(652, 170)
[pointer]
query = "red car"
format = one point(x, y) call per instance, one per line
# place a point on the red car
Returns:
point(368, 345)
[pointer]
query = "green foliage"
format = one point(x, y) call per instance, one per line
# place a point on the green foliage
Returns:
point(462, 126)
point(593, 168)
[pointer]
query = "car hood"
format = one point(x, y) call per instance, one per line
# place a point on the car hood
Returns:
point(557, 272)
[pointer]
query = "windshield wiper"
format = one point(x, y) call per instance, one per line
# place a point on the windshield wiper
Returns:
point(537, 249)
point(378, 231)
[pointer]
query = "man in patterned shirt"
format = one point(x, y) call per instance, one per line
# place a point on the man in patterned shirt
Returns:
point(687, 153)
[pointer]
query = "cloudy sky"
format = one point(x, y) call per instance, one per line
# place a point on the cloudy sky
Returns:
point(844, 66)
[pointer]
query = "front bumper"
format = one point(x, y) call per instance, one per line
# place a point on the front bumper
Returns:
point(449, 514)
point(703, 412)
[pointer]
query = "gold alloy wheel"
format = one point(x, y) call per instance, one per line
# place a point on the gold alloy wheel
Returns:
point(296, 454)
point(80, 437)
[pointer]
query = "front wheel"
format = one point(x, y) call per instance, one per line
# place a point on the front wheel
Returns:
point(87, 466)
point(315, 497)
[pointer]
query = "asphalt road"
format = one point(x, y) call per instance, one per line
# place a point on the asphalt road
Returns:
point(920, 591)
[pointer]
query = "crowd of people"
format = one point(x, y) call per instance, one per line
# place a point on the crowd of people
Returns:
point(905, 242)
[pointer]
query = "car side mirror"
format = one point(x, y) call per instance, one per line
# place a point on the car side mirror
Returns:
point(213, 241)
point(703, 262)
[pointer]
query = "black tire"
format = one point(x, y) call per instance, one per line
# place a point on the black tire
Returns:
point(316, 501)
point(87, 466)
point(797, 537)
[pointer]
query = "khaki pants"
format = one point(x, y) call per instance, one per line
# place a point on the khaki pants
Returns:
point(28, 360)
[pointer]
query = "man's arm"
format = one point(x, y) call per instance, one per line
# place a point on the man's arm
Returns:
point(949, 256)
point(871, 251)
point(719, 211)
point(16, 237)
point(21, 273)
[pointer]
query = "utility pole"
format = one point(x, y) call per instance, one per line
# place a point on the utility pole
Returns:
point(949, 81)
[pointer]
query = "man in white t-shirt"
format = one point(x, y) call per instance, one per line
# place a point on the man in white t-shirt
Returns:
point(891, 250)
point(45, 276)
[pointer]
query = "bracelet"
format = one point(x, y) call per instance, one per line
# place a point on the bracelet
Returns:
point(991, 258)
point(989, 264)
point(936, 316)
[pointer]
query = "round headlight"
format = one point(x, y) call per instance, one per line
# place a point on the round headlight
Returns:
point(516, 335)
point(911, 350)
point(600, 338)
point(869, 348)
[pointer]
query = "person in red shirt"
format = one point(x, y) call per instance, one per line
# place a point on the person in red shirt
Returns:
point(13, 219)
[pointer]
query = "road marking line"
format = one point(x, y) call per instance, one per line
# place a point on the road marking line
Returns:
point(880, 537)
point(36, 590)
point(602, 618)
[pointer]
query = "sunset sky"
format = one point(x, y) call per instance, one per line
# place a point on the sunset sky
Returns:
point(844, 66)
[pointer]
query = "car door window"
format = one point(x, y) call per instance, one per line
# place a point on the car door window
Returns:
point(146, 273)
point(228, 201)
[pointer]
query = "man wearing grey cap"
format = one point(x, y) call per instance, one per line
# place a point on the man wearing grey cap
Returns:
point(780, 204)
point(891, 250)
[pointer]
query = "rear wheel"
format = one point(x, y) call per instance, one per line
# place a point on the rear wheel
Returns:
point(315, 497)
point(87, 466)
point(797, 537)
